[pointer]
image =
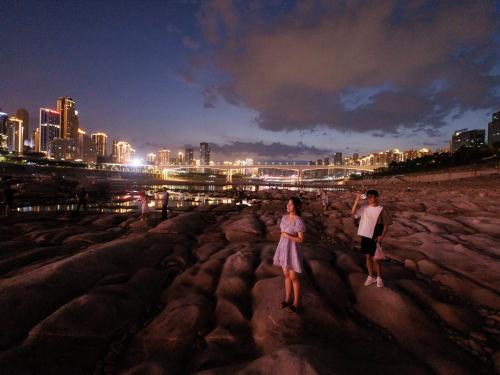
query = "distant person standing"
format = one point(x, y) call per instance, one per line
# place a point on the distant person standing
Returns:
point(324, 199)
point(82, 196)
point(8, 196)
point(164, 204)
point(288, 253)
point(144, 205)
point(373, 226)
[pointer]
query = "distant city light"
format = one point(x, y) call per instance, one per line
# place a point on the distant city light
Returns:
point(135, 162)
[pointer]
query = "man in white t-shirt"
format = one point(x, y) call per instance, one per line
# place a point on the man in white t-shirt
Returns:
point(373, 226)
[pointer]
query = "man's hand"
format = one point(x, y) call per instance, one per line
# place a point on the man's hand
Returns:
point(284, 234)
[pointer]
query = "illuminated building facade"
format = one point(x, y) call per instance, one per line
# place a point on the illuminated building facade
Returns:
point(163, 157)
point(63, 149)
point(3, 131)
point(151, 157)
point(50, 128)
point(24, 116)
point(494, 130)
point(69, 117)
point(180, 158)
point(122, 152)
point(204, 154)
point(100, 141)
point(15, 137)
point(189, 156)
point(337, 158)
point(467, 138)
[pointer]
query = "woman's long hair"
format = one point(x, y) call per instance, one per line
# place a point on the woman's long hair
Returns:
point(297, 204)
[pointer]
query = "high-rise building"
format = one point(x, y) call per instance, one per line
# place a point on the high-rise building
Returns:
point(163, 157)
point(151, 157)
point(36, 139)
point(24, 116)
point(15, 138)
point(50, 128)
point(69, 117)
point(180, 158)
point(81, 136)
point(494, 130)
point(467, 138)
point(326, 161)
point(100, 141)
point(189, 156)
point(63, 149)
point(204, 154)
point(122, 152)
point(3, 131)
point(355, 157)
point(337, 158)
point(89, 151)
point(319, 162)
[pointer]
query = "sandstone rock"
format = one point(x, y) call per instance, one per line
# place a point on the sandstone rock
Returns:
point(248, 228)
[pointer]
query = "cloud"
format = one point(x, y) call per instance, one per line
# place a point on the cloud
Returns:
point(364, 66)
point(190, 43)
point(275, 150)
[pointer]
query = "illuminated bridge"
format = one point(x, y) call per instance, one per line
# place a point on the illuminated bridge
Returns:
point(230, 170)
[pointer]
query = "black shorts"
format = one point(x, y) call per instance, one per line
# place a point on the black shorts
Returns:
point(368, 246)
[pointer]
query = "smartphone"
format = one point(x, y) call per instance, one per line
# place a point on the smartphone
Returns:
point(363, 196)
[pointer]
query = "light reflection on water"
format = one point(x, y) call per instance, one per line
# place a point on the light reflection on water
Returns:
point(179, 196)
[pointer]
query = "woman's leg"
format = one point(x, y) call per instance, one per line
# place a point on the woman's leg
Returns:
point(288, 284)
point(369, 264)
point(296, 288)
point(378, 267)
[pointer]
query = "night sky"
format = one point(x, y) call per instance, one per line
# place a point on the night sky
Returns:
point(264, 79)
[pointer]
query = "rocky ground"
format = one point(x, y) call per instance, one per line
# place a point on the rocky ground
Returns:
point(198, 294)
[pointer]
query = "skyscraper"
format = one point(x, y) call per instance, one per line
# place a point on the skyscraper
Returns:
point(36, 139)
point(180, 158)
point(100, 141)
point(69, 117)
point(189, 156)
point(3, 131)
point(467, 138)
point(163, 157)
point(204, 154)
point(122, 152)
point(337, 159)
point(15, 139)
point(494, 129)
point(50, 128)
point(24, 116)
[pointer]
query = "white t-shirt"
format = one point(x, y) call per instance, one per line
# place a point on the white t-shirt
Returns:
point(369, 216)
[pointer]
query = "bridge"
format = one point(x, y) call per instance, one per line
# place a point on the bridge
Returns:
point(234, 169)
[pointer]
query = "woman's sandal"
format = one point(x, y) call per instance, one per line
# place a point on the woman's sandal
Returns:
point(285, 304)
point(295, 309)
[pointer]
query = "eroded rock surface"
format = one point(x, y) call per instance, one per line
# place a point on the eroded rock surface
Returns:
point(198, 293)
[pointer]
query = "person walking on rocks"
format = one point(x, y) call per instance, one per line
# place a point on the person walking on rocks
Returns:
point(288, 253)
point(164, 204)
point(373, 226)
point(8, 197)
point(82, 199)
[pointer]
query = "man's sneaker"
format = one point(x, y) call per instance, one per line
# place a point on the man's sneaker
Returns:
point(380, 282)
point(370, 280)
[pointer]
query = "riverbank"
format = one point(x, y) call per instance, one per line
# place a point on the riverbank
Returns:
point(110, 293)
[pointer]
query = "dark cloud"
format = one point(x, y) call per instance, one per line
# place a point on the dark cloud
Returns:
point(274, 150)
point(364, 66)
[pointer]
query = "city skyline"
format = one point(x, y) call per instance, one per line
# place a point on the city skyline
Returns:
point(170, 78)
